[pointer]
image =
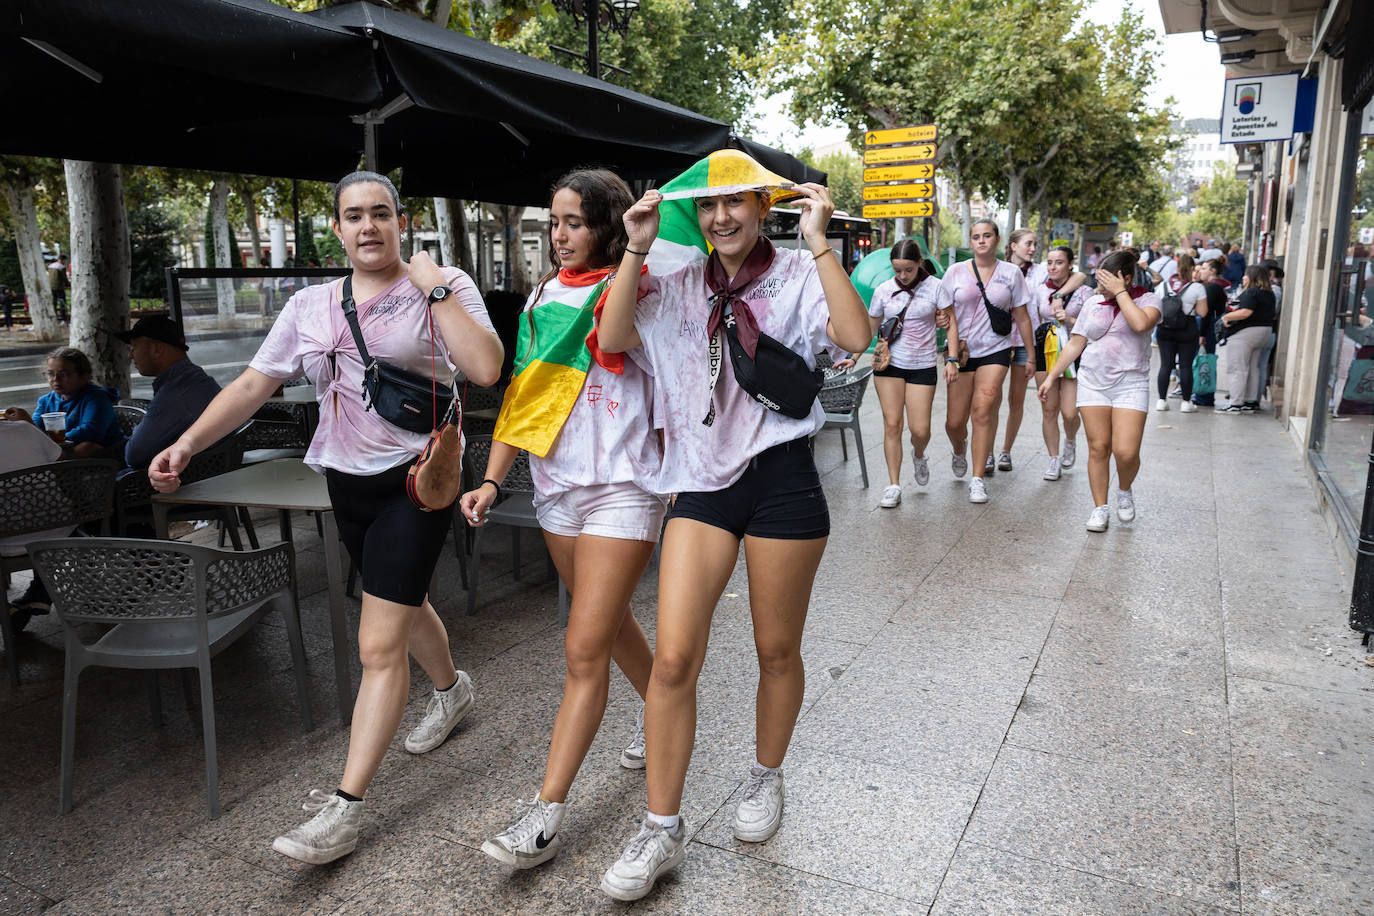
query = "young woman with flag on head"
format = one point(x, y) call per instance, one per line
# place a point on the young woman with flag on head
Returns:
point(1054, 308)
point(425, 319)
point(1112, 334)
point(907, 382)
point(740, 471)
point(584, 415)
point(989, 298)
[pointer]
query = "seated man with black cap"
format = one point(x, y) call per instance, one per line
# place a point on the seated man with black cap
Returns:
point(181, 389)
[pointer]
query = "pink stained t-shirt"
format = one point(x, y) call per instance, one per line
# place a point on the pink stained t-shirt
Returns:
point(609, 435)
point(1040, 310)
point(1006, 290)
point(915, 349)
point(1115, 352)
point(396, 328)
point(789, 305)
point(1034, 275)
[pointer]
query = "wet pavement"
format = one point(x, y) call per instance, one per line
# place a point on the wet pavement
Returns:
point(1003, 714)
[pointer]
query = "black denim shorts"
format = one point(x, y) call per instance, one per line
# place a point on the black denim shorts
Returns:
point(997, 358)
point(778, 496)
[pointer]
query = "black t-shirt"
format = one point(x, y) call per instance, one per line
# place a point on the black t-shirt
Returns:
point(1260, 302)
point(1216, 301)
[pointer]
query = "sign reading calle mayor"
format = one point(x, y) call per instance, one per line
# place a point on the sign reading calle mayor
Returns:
point(920, 172)
point(1256, 109)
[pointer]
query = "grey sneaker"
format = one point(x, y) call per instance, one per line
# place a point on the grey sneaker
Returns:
point(445, 710)
point(958, 464)
point(532, 839)
point(1125, 505)
point(1068, 453)
point(331, 834)
point(922, 468)
point(632, 758)
point(990, 466)
point(651, 854)
point(1004, 461)
point(760, 806)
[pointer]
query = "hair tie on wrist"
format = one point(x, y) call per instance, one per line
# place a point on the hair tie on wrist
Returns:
point(488, 480)
point(642, 254)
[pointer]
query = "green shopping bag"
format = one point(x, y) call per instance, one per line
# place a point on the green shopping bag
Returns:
point(1205, 373)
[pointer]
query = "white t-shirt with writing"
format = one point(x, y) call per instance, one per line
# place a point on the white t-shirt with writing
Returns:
point(1115, 351)
point(789, 305)
point(1006, 290)
point(609, 435)
point(395, 326)
point(915, 348)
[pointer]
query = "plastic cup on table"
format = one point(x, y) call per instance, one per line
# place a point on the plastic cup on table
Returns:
point(54, 422)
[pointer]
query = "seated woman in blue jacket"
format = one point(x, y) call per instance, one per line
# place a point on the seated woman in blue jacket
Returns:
point(91, 426)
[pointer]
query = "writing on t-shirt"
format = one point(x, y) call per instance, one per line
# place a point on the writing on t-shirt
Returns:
point(388, 305)
point(690, 328)
point(595, 394)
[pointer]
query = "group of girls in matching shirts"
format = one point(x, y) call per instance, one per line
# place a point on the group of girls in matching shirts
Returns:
point(989, 309)
point(653, 425)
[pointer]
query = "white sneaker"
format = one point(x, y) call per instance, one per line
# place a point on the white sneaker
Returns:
point(1161, 404)
point(1125, 505)
point(1101, 516)
point(1187, 407)
point(632, 758)
point(958, 465)
point(1068, 453)
point(331, 834)
point(977, 492)
point(445, 710)
point(532, 839)
point(760, 806)
point(1052, 471)
point(651, 854)
point(922, 468)
point(892, 495)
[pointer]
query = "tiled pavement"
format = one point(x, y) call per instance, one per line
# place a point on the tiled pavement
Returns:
point(1004, 714)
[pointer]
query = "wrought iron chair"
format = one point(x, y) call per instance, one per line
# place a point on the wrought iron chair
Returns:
point(140, 403)
point(172, 606)
point(133, 495)
point(515, 509)
point(841, 398)
point(276, 431)
point(129, 416)
point(47, 500)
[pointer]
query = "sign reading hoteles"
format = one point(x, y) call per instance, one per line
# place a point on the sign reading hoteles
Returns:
point(1257, 109)
point(898, 164)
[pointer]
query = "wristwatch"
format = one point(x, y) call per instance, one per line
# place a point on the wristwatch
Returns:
point(439, 294)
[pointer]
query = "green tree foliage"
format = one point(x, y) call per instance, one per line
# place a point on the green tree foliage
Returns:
point(1220, 209)
point(9, 264)
point(845, 179)
point(151, 231)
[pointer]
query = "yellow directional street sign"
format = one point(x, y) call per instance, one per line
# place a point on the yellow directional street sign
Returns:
point(893, 211)
point(920, 152)
point(923, 191)
point(900, 173)
point(920, 133)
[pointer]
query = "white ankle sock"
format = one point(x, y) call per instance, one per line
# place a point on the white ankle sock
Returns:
point(761, 769)
point(667, 821)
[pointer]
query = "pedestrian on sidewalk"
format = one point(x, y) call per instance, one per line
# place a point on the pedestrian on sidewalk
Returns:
point(1208, 272)
point(905, 305)
point(428, 321)
point(60, 282)
point(1179, 345)
point(1055, 305)
point(1249, 325)
point(742, 469)
point(989, 296)
point(1113, 336)
point(586, 418)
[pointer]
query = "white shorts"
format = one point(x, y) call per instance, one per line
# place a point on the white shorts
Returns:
point(608, 510)
point(1131, 393)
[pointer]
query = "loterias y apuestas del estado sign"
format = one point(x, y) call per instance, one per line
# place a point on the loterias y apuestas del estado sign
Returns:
point(1257, 109)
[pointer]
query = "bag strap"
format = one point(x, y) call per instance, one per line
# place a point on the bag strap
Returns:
point(351, 313)
point(973, 268)
point(716, 356)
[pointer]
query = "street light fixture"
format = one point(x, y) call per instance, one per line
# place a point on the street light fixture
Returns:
point(600, 16)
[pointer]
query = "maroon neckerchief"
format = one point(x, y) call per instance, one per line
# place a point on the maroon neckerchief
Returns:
point(921, 277)
point(725, 290)
point(1025, 268)
point(1135, 292)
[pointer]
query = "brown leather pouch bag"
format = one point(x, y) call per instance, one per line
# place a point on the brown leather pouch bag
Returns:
point(435, 479)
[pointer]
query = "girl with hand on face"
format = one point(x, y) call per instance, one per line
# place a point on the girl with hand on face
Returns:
point(989, 298)
point(741, 472)
point(1054, 302)
point(425, 319)
point(1112, 334)
point(908, 381)
point(585, 417)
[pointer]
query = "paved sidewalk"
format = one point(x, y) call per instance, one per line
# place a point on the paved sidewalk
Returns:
point(1003, 714)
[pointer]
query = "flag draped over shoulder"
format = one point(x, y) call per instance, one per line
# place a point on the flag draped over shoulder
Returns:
point(725, 171)
point(551, 364)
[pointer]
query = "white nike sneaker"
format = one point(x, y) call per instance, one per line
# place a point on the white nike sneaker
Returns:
point(653, 853)
point(532, 839)
point(331, 834)
point(759, 812)
point(632, 758)
point(445, 710)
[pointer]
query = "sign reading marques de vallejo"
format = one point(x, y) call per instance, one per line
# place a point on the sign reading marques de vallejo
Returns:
point(1259, 108)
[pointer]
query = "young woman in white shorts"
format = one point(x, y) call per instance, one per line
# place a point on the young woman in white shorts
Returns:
point(599, 519)
point(740, 472)
point(1055, 300)
point(1112, 334)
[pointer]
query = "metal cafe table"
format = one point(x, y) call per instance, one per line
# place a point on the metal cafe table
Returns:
point(285, 484)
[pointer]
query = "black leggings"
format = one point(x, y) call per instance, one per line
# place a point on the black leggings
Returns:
point(1183, 349)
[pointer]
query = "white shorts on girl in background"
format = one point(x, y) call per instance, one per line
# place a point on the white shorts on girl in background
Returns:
point(608, 510)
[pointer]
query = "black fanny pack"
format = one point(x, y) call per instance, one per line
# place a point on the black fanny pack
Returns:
point(998, 318)
point(402, 398)
point(776, 377)
point(891, 329)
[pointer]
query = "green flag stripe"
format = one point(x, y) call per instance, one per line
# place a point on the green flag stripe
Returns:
point(560, 335)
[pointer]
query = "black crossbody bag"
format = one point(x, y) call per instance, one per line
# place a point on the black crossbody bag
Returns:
point(776, 377)
point(1000, 320)
point(402, 398)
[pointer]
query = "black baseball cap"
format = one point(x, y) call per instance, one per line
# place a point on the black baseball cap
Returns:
point(155, 327)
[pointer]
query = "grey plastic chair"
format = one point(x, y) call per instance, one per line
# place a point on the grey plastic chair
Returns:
point(46, 498)
point(173, 606)
point(515, 509)
point(840, 399)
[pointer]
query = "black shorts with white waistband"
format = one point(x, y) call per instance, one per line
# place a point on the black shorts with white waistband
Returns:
point(999, 358)
point(924, 376)
point(778, 496)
